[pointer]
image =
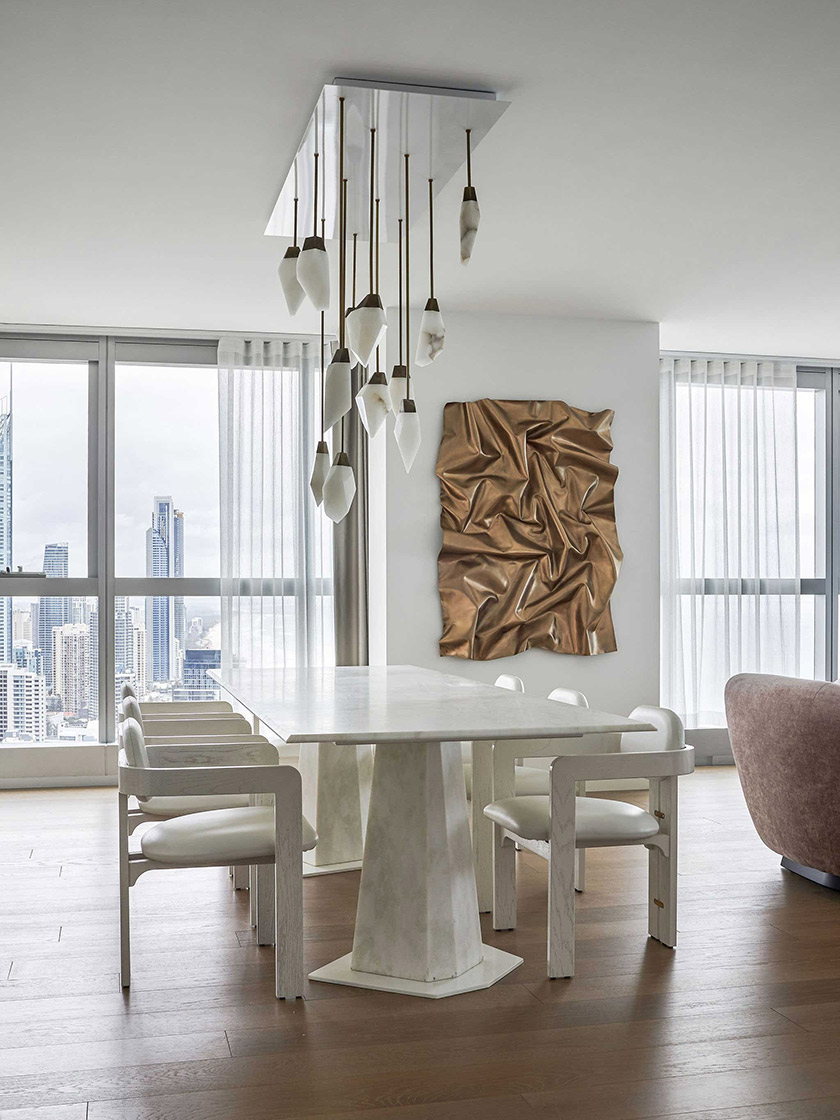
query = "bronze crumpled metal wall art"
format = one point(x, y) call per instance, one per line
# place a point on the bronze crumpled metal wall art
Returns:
point(530, 550)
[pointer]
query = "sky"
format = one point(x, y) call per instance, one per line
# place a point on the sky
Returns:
point(166, 443)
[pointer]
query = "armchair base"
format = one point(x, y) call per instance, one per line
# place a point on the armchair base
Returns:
point(821, 878)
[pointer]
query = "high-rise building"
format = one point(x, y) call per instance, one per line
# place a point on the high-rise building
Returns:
point(21, 624)
point(71, 669)
point(139, 635)
point(6, 637)
point(23, 707)
point(196, 684)
point(53, 610)
point(165, 615)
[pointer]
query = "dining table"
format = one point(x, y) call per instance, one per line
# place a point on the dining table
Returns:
point(424, 878)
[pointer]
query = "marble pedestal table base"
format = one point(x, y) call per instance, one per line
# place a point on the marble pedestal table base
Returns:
point(335, 783)
point(417, 926)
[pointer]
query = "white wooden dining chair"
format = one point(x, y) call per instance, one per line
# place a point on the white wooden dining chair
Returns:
point(174, 708)
point(555, 826)
point(528, 779)
point(573, 696)
point(275, 834)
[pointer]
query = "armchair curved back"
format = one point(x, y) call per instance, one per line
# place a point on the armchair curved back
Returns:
point(668, 736)
point(785, 736)
point(133, 743)
point(569, 696)
point(509, 681)
point(130, 709)
point(127, 690)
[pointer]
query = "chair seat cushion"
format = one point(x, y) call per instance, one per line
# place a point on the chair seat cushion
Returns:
point(599, 823)
point(528, 780)
point(178, 806)
point(217, 838)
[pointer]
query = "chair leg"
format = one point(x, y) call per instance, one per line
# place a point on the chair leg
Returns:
point(125, 909)
point(662, 868)
point(482, 827)
point(252, 893)
point(265, 903)
point(580, 853)
point(504, 880)
point(288, 890)
point(561, 881)
point(240, 878)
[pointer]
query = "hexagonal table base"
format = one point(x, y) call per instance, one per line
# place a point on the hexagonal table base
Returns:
point(495, 965)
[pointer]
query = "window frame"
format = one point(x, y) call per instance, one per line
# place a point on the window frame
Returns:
point(102, 352)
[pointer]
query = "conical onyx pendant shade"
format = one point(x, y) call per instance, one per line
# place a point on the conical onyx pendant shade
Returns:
point(320, 469)
point(338, 390)
point(313, 272)
point(432, 334)
point(373, 401)
point(468, 223)
point(397, 386)
point(339, 489)
point(407, 433)
point(289, 282)
point(366, 326)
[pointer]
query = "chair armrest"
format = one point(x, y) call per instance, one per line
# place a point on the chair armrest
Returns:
point(199, 740)
point(190, 781)
point(572, 768)
point(174, 728)
point(187, 707)
point(243, 753)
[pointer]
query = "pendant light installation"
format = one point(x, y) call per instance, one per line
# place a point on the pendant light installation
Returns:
point(432, 331)
point(338, 392)
point(292, 291)
point(470, 214)
point(407, 427)
point(313, 269)
point(321, 465)
point(399, 374)
point(373, 400)
point(366, 323)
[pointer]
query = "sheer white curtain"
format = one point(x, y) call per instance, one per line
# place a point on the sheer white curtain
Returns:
point(276, 562)
point(731, 529)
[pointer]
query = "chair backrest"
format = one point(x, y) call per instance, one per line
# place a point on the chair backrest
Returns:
point(668, 736)
point(133, 743)
point(509, 681)
point(569, 696)
point(130, 709)
point(785, 736)
point(127, 690)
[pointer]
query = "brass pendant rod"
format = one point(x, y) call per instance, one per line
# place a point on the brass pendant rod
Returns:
point(342, 182)
point(376, 201)
point(370, 221)
point(431, 239)
point(322, 376)
point(315, 201)
point(407, 293)
point(400, 281)
point(355, 239)
point(296, 217)
point(469, 159)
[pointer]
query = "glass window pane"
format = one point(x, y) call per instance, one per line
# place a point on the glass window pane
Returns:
point(165, 646)
point(49, 688)
point(44, 466)
point(167, 471)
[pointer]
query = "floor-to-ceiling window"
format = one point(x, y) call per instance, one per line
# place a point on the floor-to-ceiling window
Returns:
point(750, 526)
point(109, 505)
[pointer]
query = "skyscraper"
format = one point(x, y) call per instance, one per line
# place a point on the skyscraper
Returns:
point(165, 615)
point(23, 709)
point(71, 668)
point(196, 684)
point(53, 610)
point(5, 522)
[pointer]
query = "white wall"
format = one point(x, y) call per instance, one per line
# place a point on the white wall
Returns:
point(588, 363)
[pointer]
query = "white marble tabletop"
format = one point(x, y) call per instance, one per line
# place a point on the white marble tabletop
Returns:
point(403, 703)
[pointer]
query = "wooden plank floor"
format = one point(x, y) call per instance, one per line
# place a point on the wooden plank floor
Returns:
point(741, 1023)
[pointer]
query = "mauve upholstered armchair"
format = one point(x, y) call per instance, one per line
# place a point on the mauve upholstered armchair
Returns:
point(785, 736)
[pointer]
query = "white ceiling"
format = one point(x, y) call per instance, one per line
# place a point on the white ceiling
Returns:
point(662, 159)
